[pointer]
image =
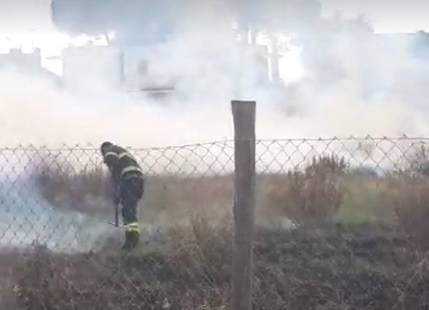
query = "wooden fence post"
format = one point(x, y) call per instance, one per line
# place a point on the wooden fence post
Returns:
point(244, 204)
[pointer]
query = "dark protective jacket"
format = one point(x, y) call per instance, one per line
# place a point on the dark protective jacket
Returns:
point(122, 164)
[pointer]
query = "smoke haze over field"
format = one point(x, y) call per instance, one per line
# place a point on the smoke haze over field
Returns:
point(355, 83)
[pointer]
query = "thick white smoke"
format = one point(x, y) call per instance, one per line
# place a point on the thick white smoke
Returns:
point(361, 83)
point(356, 83)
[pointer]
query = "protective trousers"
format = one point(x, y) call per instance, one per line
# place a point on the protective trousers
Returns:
point(131, 191)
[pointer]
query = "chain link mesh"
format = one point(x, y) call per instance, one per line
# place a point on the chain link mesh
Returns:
point(45, 193)
point(60, 197)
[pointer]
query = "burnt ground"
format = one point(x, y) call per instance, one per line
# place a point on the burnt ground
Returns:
point(8, 297)
point(331, 267)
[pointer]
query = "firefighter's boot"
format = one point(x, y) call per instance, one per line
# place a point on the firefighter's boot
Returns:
point(132, 236)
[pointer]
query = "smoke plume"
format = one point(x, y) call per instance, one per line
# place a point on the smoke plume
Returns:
point(356, 82)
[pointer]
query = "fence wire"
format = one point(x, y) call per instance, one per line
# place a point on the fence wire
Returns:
point(61, 198)
point(46, 194)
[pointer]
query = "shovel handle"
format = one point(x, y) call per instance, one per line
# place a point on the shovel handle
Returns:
point(116, 214)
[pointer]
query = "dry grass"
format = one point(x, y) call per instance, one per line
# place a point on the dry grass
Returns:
point(409, 196)
point(85, 191)
point(190, 272)
point(312, 195)
point(326, 189)
point(325, 266)
point(333, 267)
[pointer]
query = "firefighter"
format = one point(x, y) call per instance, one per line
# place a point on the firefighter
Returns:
point(128, 183)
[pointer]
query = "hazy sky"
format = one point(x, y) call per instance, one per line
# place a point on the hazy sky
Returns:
point(385, 15)
point(25, 16)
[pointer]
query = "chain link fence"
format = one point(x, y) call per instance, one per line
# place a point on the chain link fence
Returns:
point(60, 198)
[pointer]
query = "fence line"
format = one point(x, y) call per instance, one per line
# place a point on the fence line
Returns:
point(277, 155)
point(40, 187)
